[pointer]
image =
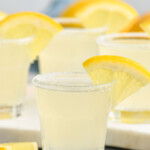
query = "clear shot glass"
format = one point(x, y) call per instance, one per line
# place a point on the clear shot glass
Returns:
point(14, 65)
point(136, 46)
point(69, 48)
point(73, 111)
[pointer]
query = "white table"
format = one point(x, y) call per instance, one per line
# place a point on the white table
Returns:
point(27, 128)
point(24, 128)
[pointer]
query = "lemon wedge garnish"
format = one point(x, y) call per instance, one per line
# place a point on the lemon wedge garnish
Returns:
point(116, 15)
point(146, 26)
point(136, 28)
point(24, 24)
point(73, 8)
point(5, 148)
point(129, 75)
point(2, 15)
point(20, 146)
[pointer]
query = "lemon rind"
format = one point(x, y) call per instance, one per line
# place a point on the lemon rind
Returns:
point(117, 63)
point(30, 17)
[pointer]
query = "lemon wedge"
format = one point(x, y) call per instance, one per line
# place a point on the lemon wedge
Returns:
point(146, 26)
point(24, 24)
point(73, 8)
point(136, 28)
point(20, 146)
point(5, 148)
point(116, 15)
point(129, 75)
point(2, 15)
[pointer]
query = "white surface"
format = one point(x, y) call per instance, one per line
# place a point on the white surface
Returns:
point(27, 128)
point(129, 136)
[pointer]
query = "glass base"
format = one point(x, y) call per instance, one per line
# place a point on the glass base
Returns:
point(7, 112)
point(131, 117)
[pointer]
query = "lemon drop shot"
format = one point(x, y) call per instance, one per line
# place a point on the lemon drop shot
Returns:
point(73, 111)
point(19, 47)
point(131, 78)
point(83, 22)
point(14, 65)
point(135, 46)
point(69, 48)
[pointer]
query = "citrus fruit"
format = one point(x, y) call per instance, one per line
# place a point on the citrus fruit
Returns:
point(71, 10)
point(146, 26)
point(21, 146)
point(2, 15)
point(142, 19)
point(116, 15)
point(24, 24)
point(129, 75)
point(5, 148)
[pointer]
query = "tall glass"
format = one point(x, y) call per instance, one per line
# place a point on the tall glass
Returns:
point(73, 111)
point(136, 46)
point(70, 48)
point(14, 65)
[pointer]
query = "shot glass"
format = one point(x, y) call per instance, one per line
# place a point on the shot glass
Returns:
point(14, 65)
point(136, 46)
point(70, 48)
point(73, 111)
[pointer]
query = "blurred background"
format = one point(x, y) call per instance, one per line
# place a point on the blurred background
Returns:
point(11, 6)
point(53, 8)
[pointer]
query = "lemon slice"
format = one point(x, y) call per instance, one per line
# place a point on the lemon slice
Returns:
point(129, 75)
point(71, 10)
point(74, 7)
point(24, 24)
point(5, 148)
point(116, 15)
point(20, 146)
point(146, 26)
point(136, 28)
point(2, 15)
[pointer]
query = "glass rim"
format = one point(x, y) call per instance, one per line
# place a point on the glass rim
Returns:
point(41, 81)
point(23, 40)
point(71, 20)
point(107, 40)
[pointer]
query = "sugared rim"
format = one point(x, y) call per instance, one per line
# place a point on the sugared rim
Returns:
point(68, 81)
point(107, 40)
point(24, 40)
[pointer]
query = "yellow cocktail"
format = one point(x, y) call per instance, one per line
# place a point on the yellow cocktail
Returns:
point(72, 110)
point(69, 49)
point(14, 65)
point(136, 46)
point(20, 34)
